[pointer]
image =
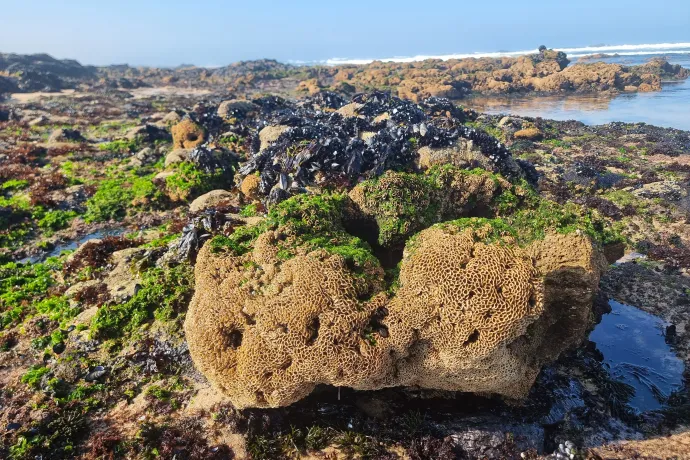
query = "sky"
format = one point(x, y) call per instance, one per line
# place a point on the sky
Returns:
point(215, 32)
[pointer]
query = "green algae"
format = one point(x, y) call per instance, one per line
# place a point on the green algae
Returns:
point(189, 181)
point(24, 290)
point(163, 295)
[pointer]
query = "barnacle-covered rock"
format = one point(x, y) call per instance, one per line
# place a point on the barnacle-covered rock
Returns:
point(295, 302)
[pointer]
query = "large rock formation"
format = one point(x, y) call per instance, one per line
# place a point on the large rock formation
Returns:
point(296, 301)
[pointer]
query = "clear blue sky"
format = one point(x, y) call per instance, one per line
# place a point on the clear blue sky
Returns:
point(215, 32)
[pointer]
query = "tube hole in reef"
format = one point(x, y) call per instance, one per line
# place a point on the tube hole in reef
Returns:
point(260, 398)
point(313, 330)
point(192, 137)
point(472, 338)
point(286, 364)
point(233, 338)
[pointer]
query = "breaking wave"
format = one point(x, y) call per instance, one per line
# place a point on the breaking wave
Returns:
point(621, 50)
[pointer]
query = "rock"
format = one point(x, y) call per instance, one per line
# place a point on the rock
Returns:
point(237, 109)
point(65, 135)
point(148, 133)
point(72, 198)
point(250, 187)
point(278, 325)
point(493, 438)
point(667, 190)
point(122, 280)
point(187, 134)
point(177, 156)
point(531, 134)
point(145, 156)
point(674, 446)
point(461, 154)
point(350, 110)
point(39, 121)
point(510, 121)
point(172, 118)
point(211, 199)
point(270, 134)
point(162, 176)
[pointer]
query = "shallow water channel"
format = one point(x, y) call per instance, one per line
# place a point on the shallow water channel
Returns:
point(636, 353)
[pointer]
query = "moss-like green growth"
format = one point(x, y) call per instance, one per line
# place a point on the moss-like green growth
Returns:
point(164, 295)
point(14, 184)
point(249, 211)
point(116, 196)
point(317, 222)
point(405, 203)
point(24, 290)
point(109, 202)
point(56, 220)
point(34, 375)
point(240, 241)
point(189, 181)
point(120, 146)
point(312, 222)
point(531, 224)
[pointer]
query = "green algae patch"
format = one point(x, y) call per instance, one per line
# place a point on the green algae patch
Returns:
point(115, 197)
point(401, 204)
point(190, 181)
point(532, 224)
point(164, 295)
point(24, 290)
point(306, 222)
point(240, 241)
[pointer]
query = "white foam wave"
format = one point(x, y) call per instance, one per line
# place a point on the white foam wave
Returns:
point(622, 50)
point(635, 53)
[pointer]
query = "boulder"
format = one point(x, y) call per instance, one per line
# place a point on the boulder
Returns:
point(145, 156)
point(65, 135)
point(531, 134)
point(237, 109)
point(251, 187)
point(270, 134)
point(211, 199)
point(177, 156)
point(172, 118)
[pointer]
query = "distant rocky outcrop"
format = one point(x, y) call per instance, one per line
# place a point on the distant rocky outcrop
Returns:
point(41, 72)
point(547, 71)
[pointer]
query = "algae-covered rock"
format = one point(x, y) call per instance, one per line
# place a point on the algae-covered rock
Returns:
point(479, 305)
point(402, 204)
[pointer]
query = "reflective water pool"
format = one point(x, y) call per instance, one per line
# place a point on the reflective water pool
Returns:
point(635, 351)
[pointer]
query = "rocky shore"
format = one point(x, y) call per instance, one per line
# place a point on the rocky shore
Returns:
point(547, 72)
point(253, 276)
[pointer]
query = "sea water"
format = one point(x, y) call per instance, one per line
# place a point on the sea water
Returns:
point(636, 353)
